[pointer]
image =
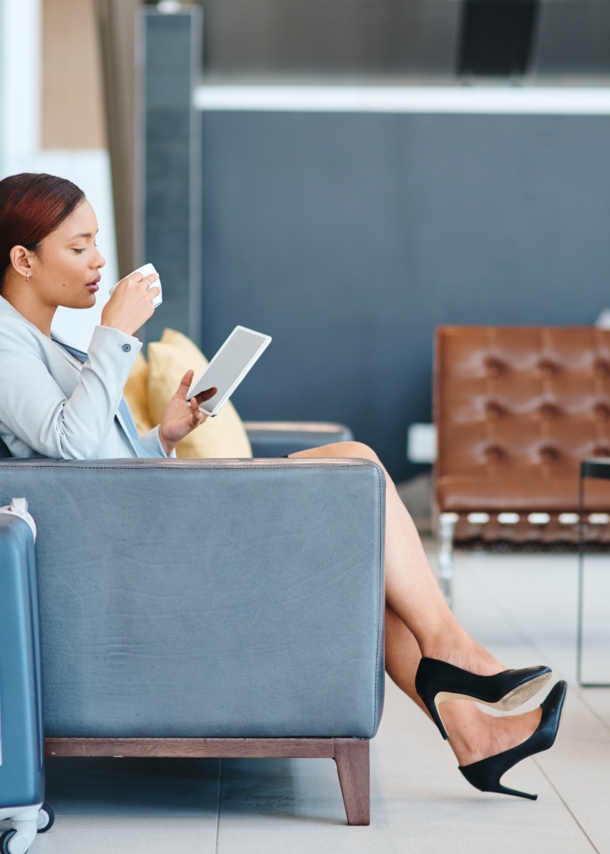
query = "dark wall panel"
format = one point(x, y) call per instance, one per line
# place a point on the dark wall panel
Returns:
point(171, 209)
point(350, 237)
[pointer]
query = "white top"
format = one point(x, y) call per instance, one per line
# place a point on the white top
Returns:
point(52, 406)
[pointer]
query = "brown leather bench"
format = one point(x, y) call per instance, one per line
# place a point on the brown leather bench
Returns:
point(516, 410)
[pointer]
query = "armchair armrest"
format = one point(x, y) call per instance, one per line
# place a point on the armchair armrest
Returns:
point(208, 598)
point(279, 438)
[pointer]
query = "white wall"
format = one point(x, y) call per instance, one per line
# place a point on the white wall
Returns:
point(20, 151)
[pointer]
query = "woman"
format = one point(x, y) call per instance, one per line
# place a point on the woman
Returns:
point(55, 402)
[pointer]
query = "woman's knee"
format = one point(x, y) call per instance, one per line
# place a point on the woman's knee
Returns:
point(359, 450)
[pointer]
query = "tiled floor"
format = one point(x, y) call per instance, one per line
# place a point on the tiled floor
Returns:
point(523, 608)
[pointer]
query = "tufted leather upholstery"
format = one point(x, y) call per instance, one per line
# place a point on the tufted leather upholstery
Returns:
point(517, 409)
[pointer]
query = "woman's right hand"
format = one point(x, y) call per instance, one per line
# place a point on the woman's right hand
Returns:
point(130, 306)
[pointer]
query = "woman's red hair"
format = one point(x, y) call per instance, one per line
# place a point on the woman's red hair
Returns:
point(31, 207)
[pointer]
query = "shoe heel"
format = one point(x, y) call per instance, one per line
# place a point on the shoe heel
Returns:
point(489, 782)
point(428, 699)
point(486, 774)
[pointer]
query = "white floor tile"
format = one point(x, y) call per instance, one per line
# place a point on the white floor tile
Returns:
point(103, 834)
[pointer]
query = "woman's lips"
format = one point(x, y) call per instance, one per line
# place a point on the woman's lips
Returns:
point(93, 286)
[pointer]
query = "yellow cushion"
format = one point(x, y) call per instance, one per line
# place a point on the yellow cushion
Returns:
point(168, 361)
point(136, 394)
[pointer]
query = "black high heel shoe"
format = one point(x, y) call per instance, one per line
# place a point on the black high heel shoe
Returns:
point(436, 681)
point(486, 774)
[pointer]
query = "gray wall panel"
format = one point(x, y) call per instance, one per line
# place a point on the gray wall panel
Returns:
point(350, 237)
point(171, 167)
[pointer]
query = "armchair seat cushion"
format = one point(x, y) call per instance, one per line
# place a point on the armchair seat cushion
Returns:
point(468, 493)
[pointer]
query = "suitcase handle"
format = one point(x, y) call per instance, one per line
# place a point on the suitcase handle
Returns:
point(19, 507)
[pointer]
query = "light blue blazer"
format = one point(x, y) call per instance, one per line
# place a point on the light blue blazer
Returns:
point(52, 406)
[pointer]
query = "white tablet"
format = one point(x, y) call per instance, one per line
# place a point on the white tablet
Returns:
point(229, 366)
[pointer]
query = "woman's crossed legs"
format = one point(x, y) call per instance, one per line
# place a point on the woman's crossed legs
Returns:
point(420, 623)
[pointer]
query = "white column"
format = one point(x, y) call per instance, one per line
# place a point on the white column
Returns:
point(20, 81)
point(20, 148)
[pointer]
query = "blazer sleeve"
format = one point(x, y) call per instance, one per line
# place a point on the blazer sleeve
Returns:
point(151, 440)
point(34, 408)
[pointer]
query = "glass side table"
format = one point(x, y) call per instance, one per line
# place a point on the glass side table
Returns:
point(595, 469)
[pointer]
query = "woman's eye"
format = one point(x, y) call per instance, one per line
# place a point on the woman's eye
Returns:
point(78, 251)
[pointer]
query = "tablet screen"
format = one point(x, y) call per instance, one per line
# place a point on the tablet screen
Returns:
point(229, 366)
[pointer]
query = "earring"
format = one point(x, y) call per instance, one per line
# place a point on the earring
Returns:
point(27, 278)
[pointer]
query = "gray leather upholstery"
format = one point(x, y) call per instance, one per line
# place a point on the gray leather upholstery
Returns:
point(208, 598)
point(279, 438)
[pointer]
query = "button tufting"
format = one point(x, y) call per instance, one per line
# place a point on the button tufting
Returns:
point(494, 454)
point(602, 370)
point(494, 411)
point(549, 455)
point(493, 367)
point(602, 411)
point(547, 369)
point(548, 411)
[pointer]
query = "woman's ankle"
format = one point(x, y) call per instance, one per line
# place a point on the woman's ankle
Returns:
point(476, 735)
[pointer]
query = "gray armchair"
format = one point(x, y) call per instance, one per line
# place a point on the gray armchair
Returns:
point(211, 608)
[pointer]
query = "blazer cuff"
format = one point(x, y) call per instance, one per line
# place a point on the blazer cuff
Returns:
point(152, 441)
point(121, 347)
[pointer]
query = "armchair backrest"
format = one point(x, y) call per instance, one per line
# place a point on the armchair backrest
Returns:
point(523, 404)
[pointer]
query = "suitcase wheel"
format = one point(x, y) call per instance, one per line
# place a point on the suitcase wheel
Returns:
point(4, 841)
point(46, 818)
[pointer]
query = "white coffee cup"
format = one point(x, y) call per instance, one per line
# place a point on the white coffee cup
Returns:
point(146, 270)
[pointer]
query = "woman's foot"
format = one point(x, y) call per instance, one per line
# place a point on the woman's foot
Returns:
point(462, 651)
point(474, 735)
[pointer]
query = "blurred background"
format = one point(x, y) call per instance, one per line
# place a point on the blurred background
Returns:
point(344, 175)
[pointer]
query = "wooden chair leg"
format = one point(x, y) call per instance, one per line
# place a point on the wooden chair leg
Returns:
point(352, 758)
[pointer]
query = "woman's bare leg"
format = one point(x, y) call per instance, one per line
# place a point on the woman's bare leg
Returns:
point(412, 591)
point(421, 623)
point(473, 734)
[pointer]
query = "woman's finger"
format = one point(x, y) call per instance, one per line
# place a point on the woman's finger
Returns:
point(206, 395)
point(196, 414)
point(150, 279)
point(185, 384)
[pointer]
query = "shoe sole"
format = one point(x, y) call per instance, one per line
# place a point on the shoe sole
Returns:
point(509, 702)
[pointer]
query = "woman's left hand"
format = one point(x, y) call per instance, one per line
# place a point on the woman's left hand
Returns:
point(182, 415)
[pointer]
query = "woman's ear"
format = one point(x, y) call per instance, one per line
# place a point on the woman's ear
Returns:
point(21, 261)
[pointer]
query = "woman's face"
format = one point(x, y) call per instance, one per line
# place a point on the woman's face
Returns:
point(65, 269)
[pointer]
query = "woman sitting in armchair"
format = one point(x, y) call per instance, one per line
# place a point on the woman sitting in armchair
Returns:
point(59, 403)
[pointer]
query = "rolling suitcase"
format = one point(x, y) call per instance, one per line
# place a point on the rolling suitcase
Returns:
point(21, 726)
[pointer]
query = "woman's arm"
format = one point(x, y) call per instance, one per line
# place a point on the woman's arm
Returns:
point(34, 408)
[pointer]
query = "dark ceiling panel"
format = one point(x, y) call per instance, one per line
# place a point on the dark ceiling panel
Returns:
point(331, 36)
point(573, 38)
point(496, 37)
